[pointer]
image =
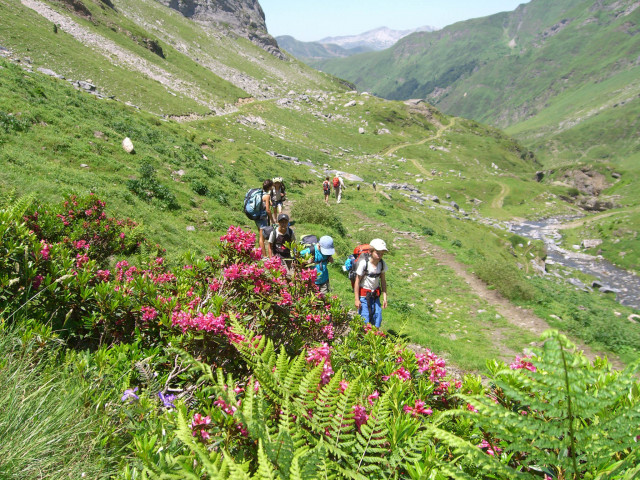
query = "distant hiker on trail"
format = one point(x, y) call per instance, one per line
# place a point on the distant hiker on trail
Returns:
point(321, 256)
point(279, 236)
point(326, 188)
point(374, 184)
point(338, 186)
point(278, 196)
point(370, 283)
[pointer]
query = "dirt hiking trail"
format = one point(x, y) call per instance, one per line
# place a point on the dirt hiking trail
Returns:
point(515, 315)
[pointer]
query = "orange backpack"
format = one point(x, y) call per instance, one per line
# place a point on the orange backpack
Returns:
point(336, 182)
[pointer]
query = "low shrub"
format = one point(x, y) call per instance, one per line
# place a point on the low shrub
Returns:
point(506, 278)
point(317, 213)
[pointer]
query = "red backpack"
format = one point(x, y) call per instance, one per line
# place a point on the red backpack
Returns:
point(336, 182)
point(353, 259)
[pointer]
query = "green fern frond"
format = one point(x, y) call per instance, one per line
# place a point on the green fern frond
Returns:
point(19, 207)
point(265, 469)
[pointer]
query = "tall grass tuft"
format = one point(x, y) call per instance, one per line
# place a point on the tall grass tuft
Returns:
point(46, 430)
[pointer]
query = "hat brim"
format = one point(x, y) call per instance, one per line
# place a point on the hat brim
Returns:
point(326, 251)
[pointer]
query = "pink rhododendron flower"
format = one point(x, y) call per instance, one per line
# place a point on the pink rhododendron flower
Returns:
point(148, 314)
point(318, 354)
point(309, 274)
point(287, 299)
point(417, 409)
point(402, 373)
point(360, 415)
point(215, 285)
point(103, 275)
point(471, 408)
point(491, 450)
point(343, 385)
point(522, 362)
point(81, 260)
point(373, 396)
point(225, 407)
point(429, 362)
point(328, 331)
point(37, 280)
point(44, 251)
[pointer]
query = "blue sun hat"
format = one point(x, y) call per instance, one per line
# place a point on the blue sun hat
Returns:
point(326, 245)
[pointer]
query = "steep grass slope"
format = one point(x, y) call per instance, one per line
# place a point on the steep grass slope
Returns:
point(148, 55)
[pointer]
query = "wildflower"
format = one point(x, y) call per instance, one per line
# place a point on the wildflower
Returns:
point(343, 385)
point(522, 362)
point(37, 280)
point(167, 400)
point(471, 408)
point(491, 450)
point(148, 313)
point(129, 394)
point(360, 415)
point(373, 396)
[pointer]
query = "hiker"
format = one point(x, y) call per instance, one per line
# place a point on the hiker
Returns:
point(326, 188)
point(263, 239)
point(321, 256)
point(374, 185)
point(338, 186)
point(278, 195)
point(279, 236)
point(266, 217)
point(370, 283)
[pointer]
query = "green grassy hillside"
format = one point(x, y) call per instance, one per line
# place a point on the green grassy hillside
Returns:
point(542, 72)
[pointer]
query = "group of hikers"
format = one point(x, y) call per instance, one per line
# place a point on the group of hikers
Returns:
point(366, 266)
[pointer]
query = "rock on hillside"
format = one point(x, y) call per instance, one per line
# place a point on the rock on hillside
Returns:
point(243, 17)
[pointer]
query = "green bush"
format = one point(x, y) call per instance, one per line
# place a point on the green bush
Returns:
point(506, 278)
point(428, 231)
point(317, 213)
point(148, 188)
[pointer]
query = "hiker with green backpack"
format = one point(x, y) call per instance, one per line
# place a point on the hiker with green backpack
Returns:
point(370, 282)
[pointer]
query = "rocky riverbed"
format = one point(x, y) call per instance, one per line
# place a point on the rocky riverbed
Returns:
point(609, 278)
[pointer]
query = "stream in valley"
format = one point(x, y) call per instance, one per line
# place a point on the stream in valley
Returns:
point(625, 285)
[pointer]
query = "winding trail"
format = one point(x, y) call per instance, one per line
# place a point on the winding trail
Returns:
point(581, 221)
point(499, 200)
point(438, 134)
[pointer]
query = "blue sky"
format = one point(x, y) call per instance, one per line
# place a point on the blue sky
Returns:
point(310, 20)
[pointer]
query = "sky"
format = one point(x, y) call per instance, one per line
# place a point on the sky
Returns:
point(311, 20)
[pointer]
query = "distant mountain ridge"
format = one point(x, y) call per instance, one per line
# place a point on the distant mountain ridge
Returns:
point(555, 73)
point(345, 46)
point(376, 39)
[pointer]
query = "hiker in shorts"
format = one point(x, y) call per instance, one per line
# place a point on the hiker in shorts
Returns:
point(338, 187)
point(278, 196)
point(263, 239)
point(326, 188)
point(371, 283)
point(266, 217)
point(281, 235)
point(321, 256)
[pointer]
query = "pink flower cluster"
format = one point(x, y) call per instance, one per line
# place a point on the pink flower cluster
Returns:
point(318, 355)
point(148, 314)
point(360, 415)
point(199, 425)
point(207, 321)
point(417, 409)
point(402, 373)
point(522, 363)
point(45, 250)
point(225, 407)
point(241, 241)
point(429, 362)
point(491, 450)
point(243, 272)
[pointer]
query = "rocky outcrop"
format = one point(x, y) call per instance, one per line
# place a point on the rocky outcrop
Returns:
point(243, 17)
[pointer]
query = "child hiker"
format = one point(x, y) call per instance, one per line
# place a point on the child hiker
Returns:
point(371, 283)
point(279, 236)
point(326, 188)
